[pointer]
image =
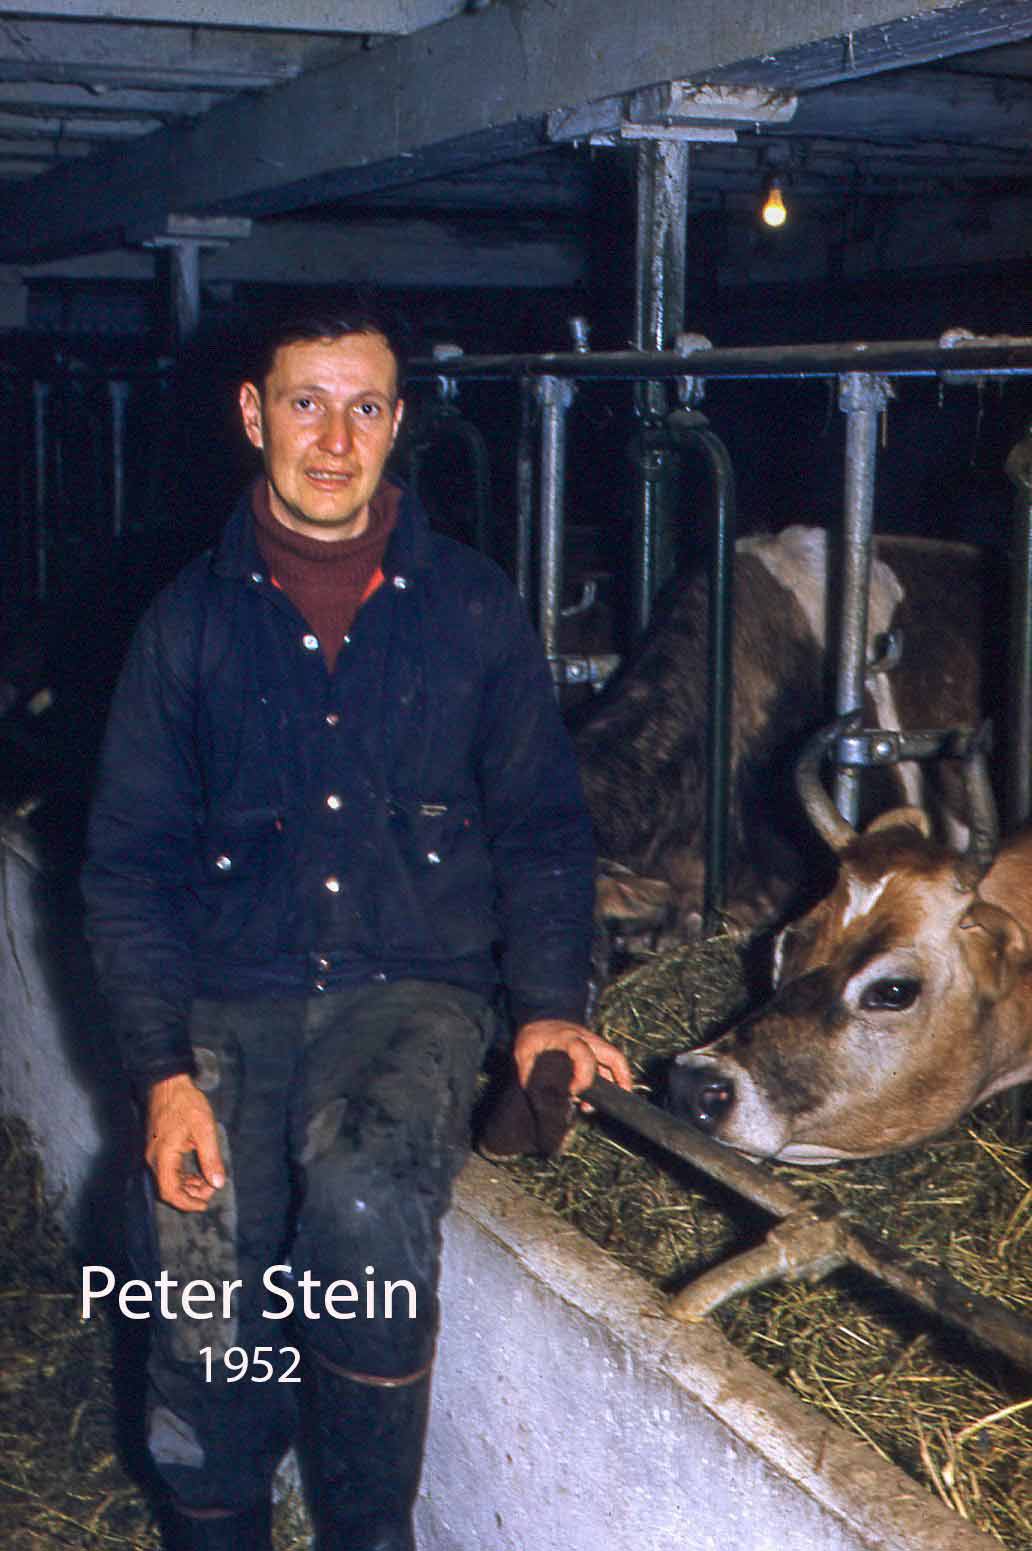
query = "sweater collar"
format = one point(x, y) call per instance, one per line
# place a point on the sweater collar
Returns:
point(408, 550)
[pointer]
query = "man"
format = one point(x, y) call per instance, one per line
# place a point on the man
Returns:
point(336, 812)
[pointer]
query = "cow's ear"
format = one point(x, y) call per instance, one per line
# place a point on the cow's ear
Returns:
point(621, 895)
point(995, 947)
point(902, 818)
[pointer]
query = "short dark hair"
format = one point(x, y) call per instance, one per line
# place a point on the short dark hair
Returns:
point(327, 318)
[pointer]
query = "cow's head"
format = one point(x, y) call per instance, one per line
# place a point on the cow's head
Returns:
point(885, 1026)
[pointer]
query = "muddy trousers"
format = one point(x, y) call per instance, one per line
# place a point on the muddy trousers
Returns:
point(343, 1121)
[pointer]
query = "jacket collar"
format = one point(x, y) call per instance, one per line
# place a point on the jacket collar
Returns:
point(408, 550)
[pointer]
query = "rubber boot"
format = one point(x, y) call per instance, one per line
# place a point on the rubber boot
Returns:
point(370, 1453)
point(249, 1531)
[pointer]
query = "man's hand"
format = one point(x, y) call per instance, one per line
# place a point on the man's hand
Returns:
point(590, 1055)
point(180, 1125)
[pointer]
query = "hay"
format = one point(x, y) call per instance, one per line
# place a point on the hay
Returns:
point(63, 1477)
point(954, 1417)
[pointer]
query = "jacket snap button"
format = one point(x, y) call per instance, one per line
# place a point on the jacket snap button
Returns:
point(310, 643)
point(322, 964)
point(401, 582)
point(223, 863)
point(334, 802)
point(332, 718)
point(319, 985)
point(433, 857)
point(333, 884)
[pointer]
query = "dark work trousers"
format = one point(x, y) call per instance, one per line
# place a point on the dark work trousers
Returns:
point(343, 1120)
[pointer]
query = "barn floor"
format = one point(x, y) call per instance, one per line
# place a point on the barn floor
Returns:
point(65, 1391)
point(953, 1416)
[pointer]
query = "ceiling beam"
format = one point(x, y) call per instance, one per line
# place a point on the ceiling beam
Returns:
point(182, 57)
point(369, 16)
point(393, 252)
point(470, 91)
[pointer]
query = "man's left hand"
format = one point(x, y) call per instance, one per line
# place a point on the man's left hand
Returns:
point(590, 1055)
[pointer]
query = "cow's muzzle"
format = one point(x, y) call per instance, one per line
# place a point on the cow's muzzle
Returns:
point(699, 1094)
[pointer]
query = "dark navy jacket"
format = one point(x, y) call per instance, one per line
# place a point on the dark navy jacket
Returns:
point(264, 828)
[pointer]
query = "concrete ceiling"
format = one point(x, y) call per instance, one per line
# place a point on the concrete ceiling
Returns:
point(116, 115)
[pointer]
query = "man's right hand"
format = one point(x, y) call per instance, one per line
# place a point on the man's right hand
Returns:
point(180, 1124)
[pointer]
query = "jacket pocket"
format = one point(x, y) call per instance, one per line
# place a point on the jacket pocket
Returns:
point(238, 883)
point(445, 905)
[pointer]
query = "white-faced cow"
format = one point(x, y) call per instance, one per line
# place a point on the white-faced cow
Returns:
point(642, 745)
point(902, 1000)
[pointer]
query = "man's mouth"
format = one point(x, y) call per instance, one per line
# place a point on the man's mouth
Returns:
point(327, 477)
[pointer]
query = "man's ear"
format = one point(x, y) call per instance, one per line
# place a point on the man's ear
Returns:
point(399, 415)
point(250, 401)
point(995, 947)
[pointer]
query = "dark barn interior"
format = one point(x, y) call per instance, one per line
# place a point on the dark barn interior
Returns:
point(163, 174)
point(516, 178)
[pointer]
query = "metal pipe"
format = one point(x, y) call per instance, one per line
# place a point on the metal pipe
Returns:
point(1019, 710)
point(556, 397)
point(118, 393)
point(900, 358)
point(525, 489)
point(861, 399)
point(40, 396)
point(185, 274)
point(928, 1286)
point(662, 206)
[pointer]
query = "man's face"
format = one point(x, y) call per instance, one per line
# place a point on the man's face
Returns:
point(325, 419)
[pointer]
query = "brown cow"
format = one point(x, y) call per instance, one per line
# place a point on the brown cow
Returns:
point(641, 745)
point(903, 999)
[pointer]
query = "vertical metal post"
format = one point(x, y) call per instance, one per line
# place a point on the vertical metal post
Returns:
point(662, 203)
point(556, 396)
point(40, 396)
point(862, 398)
point(118, 393)
point(185, 259)
point(525, 489)
point(1019, 688)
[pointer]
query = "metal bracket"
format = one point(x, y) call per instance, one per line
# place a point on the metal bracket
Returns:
point(876, 746)
point(961, 338)
point(673, 110)
point(447, 387)
point(691, 390)
point(861, 392)
point(593, 670)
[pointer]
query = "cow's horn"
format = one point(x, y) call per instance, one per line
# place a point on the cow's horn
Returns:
point(985, 827)
point(818, 806)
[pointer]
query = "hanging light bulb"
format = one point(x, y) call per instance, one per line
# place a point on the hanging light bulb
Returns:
point(774, 212)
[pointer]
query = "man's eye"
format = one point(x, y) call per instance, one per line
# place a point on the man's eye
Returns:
point(304, 403)
point(369, 409)
point(890, 995)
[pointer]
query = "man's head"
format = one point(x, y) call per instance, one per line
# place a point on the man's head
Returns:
point(323, 406)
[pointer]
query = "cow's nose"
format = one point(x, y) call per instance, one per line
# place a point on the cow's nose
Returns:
point(699, 1094)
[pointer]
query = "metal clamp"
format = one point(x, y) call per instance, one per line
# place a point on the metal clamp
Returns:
point(883, 746)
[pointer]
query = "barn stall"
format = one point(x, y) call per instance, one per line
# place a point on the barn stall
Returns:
point(723, 1453)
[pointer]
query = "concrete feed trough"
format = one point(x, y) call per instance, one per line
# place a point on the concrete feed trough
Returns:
point(569, 1410)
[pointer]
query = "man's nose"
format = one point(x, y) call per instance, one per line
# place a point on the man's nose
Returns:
point(337, 431)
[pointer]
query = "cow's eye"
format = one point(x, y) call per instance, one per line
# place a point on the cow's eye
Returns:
point(890, 995)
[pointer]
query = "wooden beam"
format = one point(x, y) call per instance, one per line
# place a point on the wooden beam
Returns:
point(472, 90)
point(390, 251)
point(370, 16)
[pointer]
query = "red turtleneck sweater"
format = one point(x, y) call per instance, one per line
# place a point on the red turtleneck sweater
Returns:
point(327, 580)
